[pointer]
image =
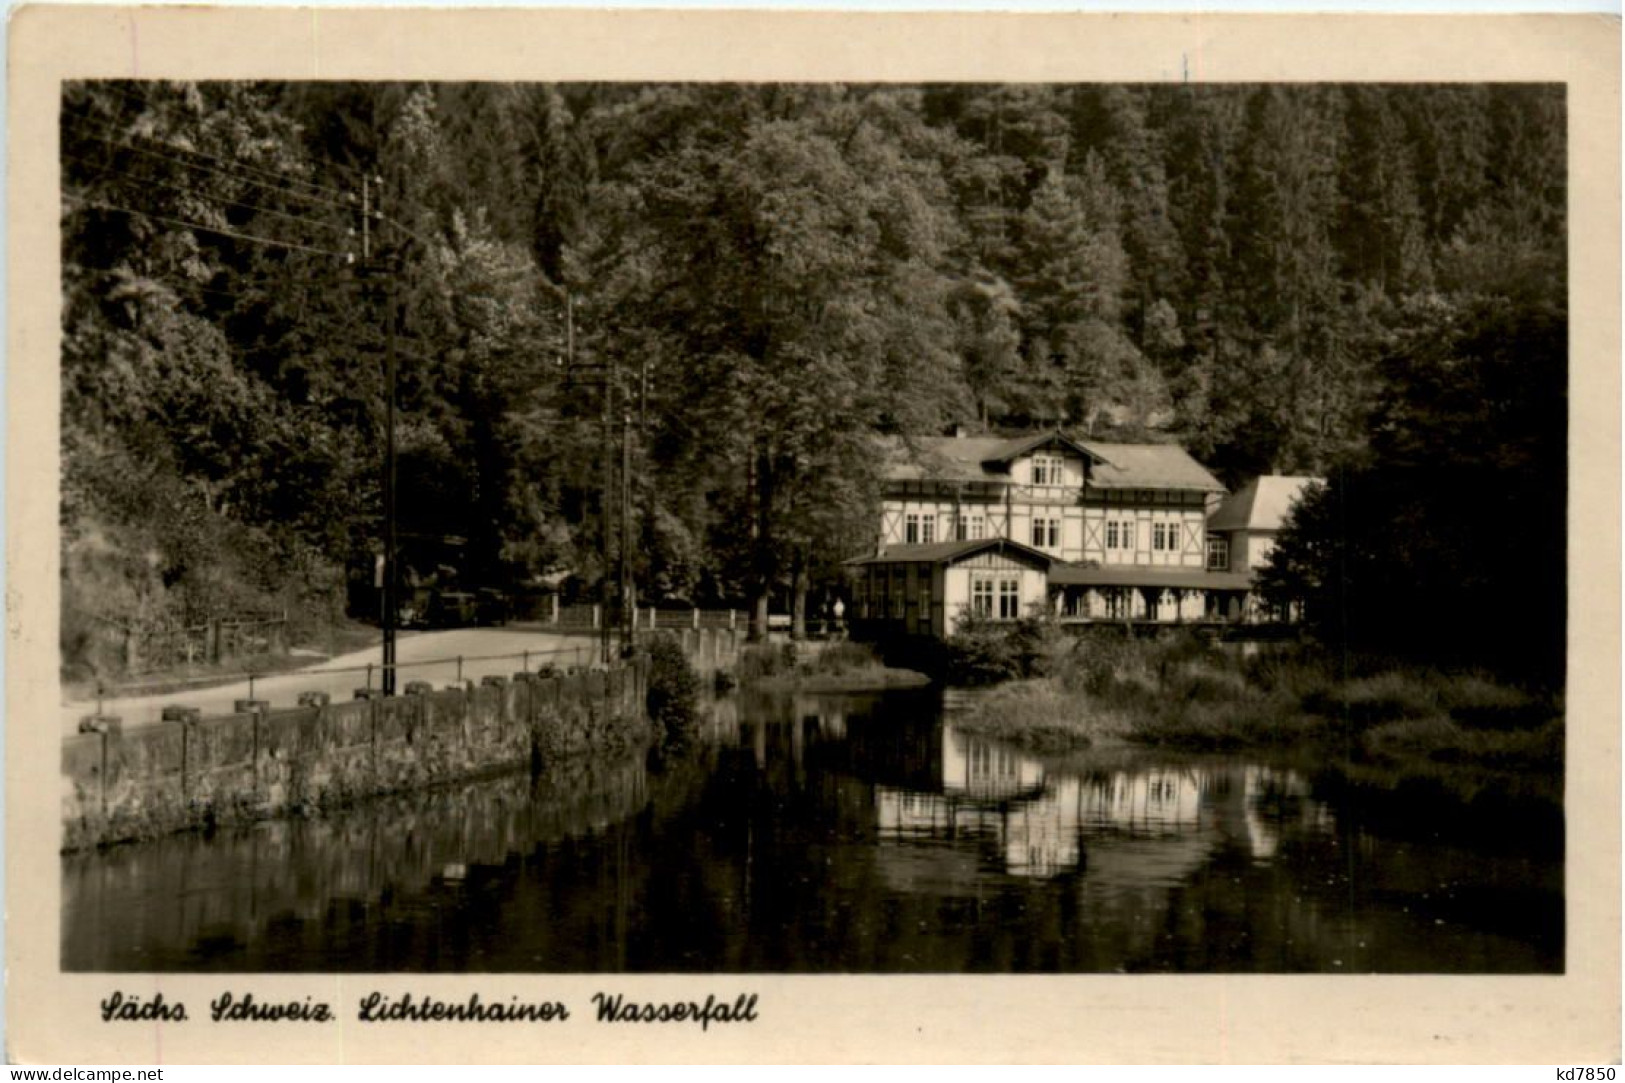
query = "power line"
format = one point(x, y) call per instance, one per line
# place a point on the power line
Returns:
point(95, 205)
point(238, 177)
point(185, 190)
point(346, 206)
point(230, 163)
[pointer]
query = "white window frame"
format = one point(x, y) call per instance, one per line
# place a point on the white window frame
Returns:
point(1009, 598)
point(1046, 532)
point(911, 528)
point(928, 529)
point(1219, 546)
point(978, 527)
point(981, 597)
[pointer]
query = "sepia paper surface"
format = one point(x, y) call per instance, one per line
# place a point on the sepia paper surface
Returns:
point(1572, 1018)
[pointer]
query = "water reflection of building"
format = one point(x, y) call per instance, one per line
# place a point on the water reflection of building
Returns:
point(950, 807)
point(1140, 824)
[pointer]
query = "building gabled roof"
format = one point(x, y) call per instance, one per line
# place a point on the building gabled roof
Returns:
point(1150, 466)
point(950, 551)
point(943, 458)
point(1017, 446)
point(1261, 504)
point(987, 458)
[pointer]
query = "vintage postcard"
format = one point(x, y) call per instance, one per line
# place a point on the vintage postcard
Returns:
point(646, 536)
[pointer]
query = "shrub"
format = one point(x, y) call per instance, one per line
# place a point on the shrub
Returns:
point(1410, 736)
point(1439, 739)
point(1369, 701)
point(984, 652)
point(672, 700)
point(760, 660)
point(1476, 702)
point(844, 657)
point(1039, 715)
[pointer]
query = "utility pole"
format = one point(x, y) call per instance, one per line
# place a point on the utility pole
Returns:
point(616, 602)
point(606, 591)
point(629, 611)
point(371, 196)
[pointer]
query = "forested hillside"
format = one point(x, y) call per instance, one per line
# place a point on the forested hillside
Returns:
point(764, 276)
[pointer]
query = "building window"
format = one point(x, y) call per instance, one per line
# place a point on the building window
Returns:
point(911, 529)
point(928, 529)
point(1009, 599)
point(1046, 533)
point(978, 527)
point(1218, 554)
point(1047, 470)
point(1120, 534)
point(1165, 536)
point(981, 598)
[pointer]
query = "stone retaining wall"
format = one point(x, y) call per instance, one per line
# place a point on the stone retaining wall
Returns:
point(202, 772)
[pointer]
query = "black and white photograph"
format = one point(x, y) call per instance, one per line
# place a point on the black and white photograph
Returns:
point(756, 528)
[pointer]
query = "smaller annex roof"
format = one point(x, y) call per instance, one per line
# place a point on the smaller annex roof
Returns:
point(950, 551)
point(1261, 504)
point(1164, 578)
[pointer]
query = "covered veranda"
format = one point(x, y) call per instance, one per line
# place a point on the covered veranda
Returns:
point(1083, 595)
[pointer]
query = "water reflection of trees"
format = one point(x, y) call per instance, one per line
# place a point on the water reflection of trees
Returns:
point(295, 893)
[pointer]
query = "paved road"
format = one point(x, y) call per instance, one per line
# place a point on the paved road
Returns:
point(283, 689)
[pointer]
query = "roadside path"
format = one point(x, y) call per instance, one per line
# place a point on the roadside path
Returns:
point(282, 689)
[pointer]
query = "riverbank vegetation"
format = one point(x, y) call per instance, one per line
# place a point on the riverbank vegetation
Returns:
point(842, 666)
point(1185, 692)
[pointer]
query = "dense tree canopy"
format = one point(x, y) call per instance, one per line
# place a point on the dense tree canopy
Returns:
point(744, 284)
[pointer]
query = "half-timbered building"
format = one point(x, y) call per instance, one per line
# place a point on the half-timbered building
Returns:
point(1121, 530)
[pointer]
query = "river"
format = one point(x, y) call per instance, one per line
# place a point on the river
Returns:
point(858, 834)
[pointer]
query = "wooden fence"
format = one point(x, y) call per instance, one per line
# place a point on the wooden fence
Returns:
point(220, 639)
point(652, 618)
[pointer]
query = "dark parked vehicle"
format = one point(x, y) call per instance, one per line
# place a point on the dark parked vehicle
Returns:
point(451, 609)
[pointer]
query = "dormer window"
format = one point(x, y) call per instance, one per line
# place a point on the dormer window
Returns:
point(1048, 470)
